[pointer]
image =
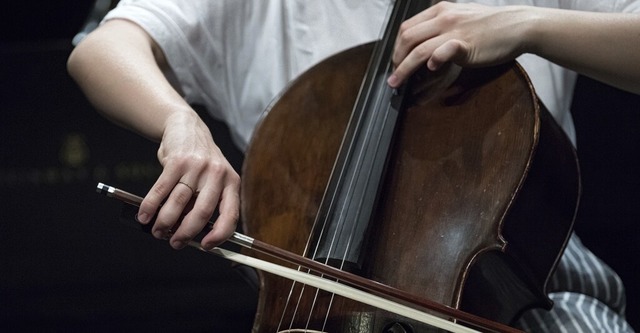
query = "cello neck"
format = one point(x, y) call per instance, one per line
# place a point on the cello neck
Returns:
point(342, 222)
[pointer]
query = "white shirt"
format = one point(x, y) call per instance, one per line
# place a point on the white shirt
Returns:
point(234, 57)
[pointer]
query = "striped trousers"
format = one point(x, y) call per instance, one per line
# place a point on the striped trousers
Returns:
point(588, 297)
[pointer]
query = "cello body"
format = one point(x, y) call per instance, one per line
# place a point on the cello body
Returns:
point(476, 205)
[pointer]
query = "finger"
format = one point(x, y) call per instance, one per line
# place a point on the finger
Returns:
point(157, 194)
point(415, 30)
point(193, 190)
point(171, 210)
point(414, 60)
point(226, 223)
point(451, 51)
point(409, 38)
point(197, 217)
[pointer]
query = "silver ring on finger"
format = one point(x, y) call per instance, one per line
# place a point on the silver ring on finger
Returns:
point(193, 191)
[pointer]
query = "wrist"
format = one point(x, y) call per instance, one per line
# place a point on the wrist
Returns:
point(534, 25)
point(181, 116)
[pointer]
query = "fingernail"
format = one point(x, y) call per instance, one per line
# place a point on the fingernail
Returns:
point(158, 234)
point(143, 218)
point(176, 244)
point(392, 80)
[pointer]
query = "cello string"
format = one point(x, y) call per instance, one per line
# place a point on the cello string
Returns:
point(375, 89)
point(379, 85)
point(341, 289)
point(251, 243)
point(350, 186)
point(359, 151)
point(284, 311)
point(381, 104)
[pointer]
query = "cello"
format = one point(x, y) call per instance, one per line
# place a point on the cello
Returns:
point(448, 200)
point(467, 200)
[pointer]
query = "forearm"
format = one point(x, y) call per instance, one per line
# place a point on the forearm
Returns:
point(604, 46)
point(117, 68)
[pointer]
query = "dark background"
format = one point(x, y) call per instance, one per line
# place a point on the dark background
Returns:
point(68, 263)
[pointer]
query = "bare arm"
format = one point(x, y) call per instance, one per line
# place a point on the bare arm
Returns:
point(604, 46)
point(118, 67)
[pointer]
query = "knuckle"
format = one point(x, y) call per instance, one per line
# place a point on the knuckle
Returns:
point(448, 19)
point(204, 213)
point(405, 37)
point(421, 52)
point(161, 226)
point(441, 5)
point(234, 178)
point(182, 197)
point(444, 20)
point(233, 216)
point(183, 161)
point(404, 27)
point(222, 170)
point(216, 169)
point(186, 234)
point(158, 191)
